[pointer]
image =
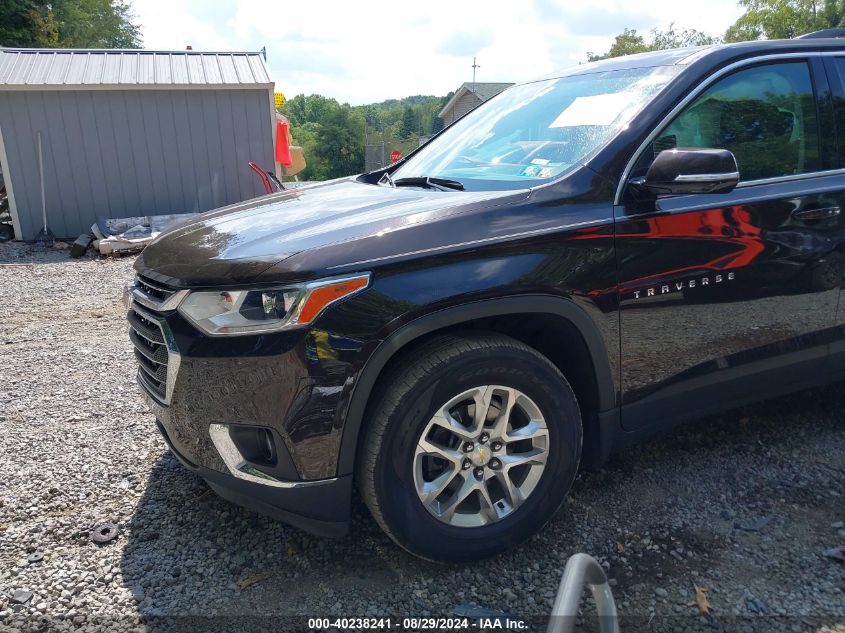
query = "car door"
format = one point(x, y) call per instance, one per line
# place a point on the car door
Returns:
point(836, 73)
point(729, 297)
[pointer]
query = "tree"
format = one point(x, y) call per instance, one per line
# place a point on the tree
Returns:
point(340, 143)
point(319, 108)
point(68, 23)
point(665, 40)
point(785, 19)
point(409, 124)
point(27, 23)
point(629, 42)
point(294, 110)
point(45, 29)
point(96, 24)
point(626, 43)
point(332, 135)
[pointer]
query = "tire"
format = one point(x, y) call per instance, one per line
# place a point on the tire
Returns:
point(390, 466)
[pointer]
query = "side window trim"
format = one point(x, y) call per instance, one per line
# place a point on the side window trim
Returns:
point(700, 88)
point(825, 114)
point(836, 85)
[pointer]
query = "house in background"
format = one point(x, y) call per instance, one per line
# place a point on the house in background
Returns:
point(468, 97)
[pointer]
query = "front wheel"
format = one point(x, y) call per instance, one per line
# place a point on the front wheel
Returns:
point(471, 448)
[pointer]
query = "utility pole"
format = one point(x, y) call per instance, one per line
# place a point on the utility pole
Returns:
point(474, 66)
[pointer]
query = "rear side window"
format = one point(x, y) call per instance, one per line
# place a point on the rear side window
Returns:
point(765, 115)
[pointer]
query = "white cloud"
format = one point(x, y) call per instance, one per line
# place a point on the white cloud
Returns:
point(464, 43)
point(365, 52)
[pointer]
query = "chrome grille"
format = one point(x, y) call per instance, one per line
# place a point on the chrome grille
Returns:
point(150, 351)
point(154, 290)
point(158, 361)
point(153, 295)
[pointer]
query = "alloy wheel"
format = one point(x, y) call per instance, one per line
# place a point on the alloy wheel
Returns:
point(481, 456)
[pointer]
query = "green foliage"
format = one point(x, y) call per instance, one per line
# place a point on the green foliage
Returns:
point(45, 28)
point(665, 40)
point(409, 124)
point(332, 135)
point(763, 19)
point(784, 19)
point(437, 126)
point(630, 42)
point(340, 143)
point(27, 23)
point(68, 23)
point(626, 43)
point(96, 24)
point(393, 116)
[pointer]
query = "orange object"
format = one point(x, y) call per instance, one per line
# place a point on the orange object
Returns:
point(324, 295)
point(282, 144)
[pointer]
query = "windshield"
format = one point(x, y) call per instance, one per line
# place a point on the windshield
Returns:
point(531, 133)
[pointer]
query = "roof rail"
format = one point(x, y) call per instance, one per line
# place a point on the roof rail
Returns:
point(822, 34)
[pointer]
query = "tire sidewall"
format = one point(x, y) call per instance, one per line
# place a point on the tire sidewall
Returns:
point(412, 524)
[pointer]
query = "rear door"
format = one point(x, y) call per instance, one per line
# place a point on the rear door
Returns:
point(836, 73)
point(729, 297)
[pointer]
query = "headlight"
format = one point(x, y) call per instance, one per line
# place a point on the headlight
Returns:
point(233, 312)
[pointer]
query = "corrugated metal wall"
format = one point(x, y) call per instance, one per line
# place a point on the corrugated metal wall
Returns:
point(135, 152)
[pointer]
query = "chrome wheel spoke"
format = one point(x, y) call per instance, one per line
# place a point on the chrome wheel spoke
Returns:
point(534, 430)
point(488, 508)
point(468, 486)
point(446, 421)
point(480, 456)
point(513, 496)
point(432, 489)
point(500, 426)
point(482, 398)
point(534, 457)
point(452, 456)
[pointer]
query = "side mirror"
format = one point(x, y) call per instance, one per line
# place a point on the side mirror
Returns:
point(679, 171)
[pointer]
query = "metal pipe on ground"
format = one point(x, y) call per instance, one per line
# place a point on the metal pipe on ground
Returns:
point(580, 570)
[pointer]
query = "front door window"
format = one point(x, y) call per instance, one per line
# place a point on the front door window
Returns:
point(765, 115)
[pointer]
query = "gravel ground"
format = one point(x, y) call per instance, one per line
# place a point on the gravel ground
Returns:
point(742, 505)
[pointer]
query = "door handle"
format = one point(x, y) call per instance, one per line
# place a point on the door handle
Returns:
point(816, 214)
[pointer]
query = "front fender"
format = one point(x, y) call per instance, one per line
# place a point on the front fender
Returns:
point(465, 313)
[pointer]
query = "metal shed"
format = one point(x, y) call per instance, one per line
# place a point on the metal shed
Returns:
point(130, 133)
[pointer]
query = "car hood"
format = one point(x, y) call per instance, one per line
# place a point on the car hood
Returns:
point(238, 242)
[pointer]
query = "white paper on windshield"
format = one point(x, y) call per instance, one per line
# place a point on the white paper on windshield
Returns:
point(595, 110)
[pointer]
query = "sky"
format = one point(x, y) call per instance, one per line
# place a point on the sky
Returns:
point(364, 52)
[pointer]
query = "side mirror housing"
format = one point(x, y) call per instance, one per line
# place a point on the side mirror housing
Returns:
point(684, 171)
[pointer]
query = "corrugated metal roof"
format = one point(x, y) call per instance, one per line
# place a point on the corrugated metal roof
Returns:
point(57, 69)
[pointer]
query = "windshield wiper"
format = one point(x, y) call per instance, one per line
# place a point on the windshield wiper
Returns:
point(443, 184)
point(386, 176)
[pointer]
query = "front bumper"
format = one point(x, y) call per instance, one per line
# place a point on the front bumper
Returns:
point(320, 507)
point(206, 393)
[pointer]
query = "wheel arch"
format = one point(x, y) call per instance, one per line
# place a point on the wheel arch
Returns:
point(478, 312)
